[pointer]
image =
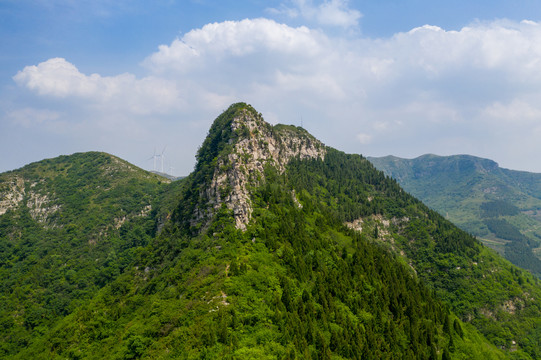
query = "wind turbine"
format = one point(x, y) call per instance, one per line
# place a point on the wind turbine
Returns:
point(162, 156)
point(154, 158)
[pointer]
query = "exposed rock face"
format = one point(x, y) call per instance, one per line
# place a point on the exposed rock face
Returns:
point(256, 145)
point(40, 206)
point(356, 224)
point(11, 194)
point(14, 191)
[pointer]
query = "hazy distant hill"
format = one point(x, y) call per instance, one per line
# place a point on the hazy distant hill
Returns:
point(500, 206)
point(168, 176)
point(275, 247)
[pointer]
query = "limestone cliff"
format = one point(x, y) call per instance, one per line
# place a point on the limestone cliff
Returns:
point(11, 193)
point(15, 190)
point(249, 144)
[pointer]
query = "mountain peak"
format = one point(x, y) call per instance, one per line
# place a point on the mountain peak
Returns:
point(46, 189)
point(233, 157)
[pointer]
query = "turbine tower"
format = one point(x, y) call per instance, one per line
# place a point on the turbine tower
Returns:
point(162, 156)
point(153, 157)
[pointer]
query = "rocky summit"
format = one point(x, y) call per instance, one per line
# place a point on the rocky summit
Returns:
point(243, 145)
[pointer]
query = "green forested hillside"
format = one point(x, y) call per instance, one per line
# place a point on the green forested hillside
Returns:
point(335, 261)
point(70, 225)
point(499, 206)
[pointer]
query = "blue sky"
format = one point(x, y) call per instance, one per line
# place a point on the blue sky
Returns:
point(370, 77)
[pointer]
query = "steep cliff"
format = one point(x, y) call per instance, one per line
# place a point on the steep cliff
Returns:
point(240, 145)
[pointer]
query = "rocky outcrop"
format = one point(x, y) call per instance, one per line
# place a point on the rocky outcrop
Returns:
point(256, 144)
point(11, 193)
point(14, 191)
point(41, 206)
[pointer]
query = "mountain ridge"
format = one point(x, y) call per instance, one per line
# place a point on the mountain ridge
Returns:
point(293, 282)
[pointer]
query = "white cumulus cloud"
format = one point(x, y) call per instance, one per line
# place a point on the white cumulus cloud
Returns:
point(425, 90)
point(218, 42)
point(59, 78)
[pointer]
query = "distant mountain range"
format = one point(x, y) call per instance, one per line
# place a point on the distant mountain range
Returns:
point(501, 207)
